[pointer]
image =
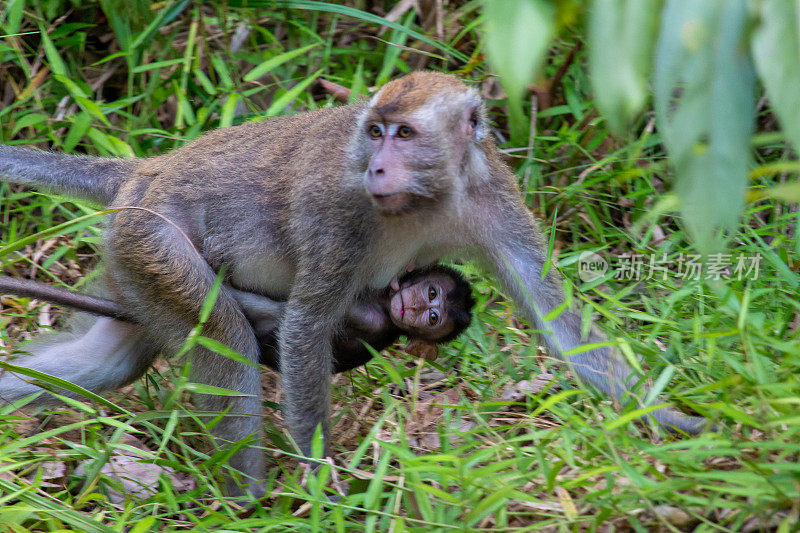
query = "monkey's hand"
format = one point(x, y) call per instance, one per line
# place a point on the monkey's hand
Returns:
point(395, 283)
point(421, 348)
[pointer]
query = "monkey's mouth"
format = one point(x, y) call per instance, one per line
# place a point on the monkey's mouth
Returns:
point(391, 204)
point(398, 309)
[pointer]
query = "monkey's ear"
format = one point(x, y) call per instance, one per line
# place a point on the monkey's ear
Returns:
point(475, 118)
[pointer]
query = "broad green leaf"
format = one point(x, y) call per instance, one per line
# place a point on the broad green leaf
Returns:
point(217, 347)
point(80, 125)
point(264, 67)
point(376, 485)
point(786, 192)
point(117, 424)
point(73, 88)
point(518, 33)
point(587, 347)
point(121, 15)
point(144, 525)
point(121, 148)
point(554, 399)
point(389, 367)
point(92, 108)
point(663, 379)
point(739, 415)
point(213, 294)
point(201, 77)
point(358, 86)
point(157, 64)
point(60, 383)
point(228, 110)
point(109, 57)
point(622, 36)
point(185, 112)
point(489, 504)
point(201, 388)
point(222, 71)
point(776, 167)
point(13, 16)
point(392, 54)
point(776, 52)
point(56, 63)
point(28, 120)
point(283, 100)
point(55, 509)
point(101, 141)
point(704, 92)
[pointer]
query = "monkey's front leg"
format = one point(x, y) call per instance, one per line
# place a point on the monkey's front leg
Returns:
point(315, 308)
point(515, 249)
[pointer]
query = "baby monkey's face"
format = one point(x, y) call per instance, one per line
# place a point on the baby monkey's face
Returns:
point(420, 306)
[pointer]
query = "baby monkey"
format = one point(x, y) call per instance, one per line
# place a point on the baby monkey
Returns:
point(432, 305)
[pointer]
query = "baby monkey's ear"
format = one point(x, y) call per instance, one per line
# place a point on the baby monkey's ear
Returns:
point(420, 348)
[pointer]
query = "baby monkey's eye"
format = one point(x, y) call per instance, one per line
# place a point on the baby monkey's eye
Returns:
point(433, 318)
point(375, 131)
point(404, 132)
point(431, 293)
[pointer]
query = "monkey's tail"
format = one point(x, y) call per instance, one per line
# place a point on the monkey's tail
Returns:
point(92, 178)
point(43, 291)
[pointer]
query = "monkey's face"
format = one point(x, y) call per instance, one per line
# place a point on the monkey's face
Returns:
point(414, 141)
point(404, 166)
point(420, 307)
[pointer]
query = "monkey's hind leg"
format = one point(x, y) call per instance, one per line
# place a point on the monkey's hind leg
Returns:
point(164, 282)
point(103, 355)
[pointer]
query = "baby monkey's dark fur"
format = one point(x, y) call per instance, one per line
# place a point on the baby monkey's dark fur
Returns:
point(313, 208)
point(349, 349)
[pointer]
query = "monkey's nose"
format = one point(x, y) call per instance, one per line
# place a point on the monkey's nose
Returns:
point(376, 177)
point(378, 185)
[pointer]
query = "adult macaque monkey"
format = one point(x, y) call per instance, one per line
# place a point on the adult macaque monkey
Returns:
point(297, 212)
point(430, 306)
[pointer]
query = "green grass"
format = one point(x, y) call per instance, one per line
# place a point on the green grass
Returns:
point(114, 80)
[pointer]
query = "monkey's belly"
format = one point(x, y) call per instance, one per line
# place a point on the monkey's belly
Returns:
point(393, 263)
point(264, 274)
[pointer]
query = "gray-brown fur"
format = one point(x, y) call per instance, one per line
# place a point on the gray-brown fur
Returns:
point(283, 204)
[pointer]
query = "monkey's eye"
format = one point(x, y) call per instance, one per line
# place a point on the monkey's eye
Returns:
point(431, 293)
point(404, 132)
point(433, 318)
point(375, 131)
